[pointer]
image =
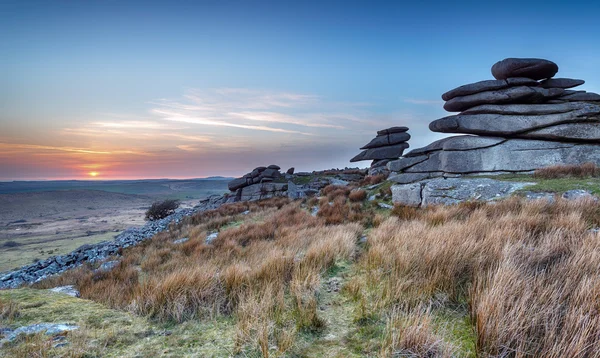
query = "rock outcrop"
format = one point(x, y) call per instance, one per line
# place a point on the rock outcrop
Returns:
point(389, 144)
point(522, 121)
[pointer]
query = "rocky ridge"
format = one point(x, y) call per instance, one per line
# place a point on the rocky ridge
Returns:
point(521, 121)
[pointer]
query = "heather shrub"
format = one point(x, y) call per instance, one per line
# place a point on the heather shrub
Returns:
point(161, 209)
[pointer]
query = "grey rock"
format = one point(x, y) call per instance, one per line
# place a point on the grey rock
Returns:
point(385, 206)
point(519, 94)
point(561, 83)
point(407, 194)
point(581, 132)
point(406, 178)
point(290, 171)
point(108, 265)
point(273, 166)
point(335, 181)
point(530, 109)
point(69, 290)
point(456, 190)
point(390, 152)
point(513, 125)
point(182, 240)
point(406, 162)
point(509, 155)
point(387, 139)
point(237, 183)
point(534, 68)
point(392, 130)
point(271, 173)
point(531, 195)
point(314, 211)
point(578, 194)
point(585, 96)
point(488, 85)
point(465, 142)
point(50, 329)
point(212, 237)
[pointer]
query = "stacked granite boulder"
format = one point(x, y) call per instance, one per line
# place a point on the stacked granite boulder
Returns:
point(522, 121)
point(389, 144)
point(258, 184)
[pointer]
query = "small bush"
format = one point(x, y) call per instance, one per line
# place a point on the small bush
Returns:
point(161, 209)
point(586, 170)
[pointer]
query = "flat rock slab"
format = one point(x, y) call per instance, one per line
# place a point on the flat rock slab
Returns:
point(389, 152)
point(561, 83)
point(50, 329)
point(451, 155)
point(488, 85)
point(384, 140)
point(69, 290)
point(581, 96)
point(391, 130)
point(531, 109)
point(518, 125)
point(520, 94)
point(534, 68)
point(450, 191)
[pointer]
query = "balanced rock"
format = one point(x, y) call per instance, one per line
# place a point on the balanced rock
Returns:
point(533, 68)
point(514, 124)
point(392, 130)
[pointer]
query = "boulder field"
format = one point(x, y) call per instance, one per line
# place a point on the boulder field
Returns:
point(522, 121)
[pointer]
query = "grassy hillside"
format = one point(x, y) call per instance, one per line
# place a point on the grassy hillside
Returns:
point(514, 278)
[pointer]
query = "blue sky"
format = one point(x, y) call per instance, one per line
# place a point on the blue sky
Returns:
point(198, 88)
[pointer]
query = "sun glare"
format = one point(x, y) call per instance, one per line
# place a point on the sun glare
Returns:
point(93, 174)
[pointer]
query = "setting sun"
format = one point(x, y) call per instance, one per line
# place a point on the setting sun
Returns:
point(94, 174)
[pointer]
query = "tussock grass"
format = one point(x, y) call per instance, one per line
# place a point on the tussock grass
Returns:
point(519, 278)
point(586, 170)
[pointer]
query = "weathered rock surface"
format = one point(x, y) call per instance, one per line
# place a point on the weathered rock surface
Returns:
point(488, 85)
point(581, 96)
point(256, 176)
point(534, 68)
point(450, 191)
point(561, 83)
point(69, 290)
point(49, 329)
point(387, 140)
point(451, 155)
point(389, 152)
point(520, 94)
point(516, 125)
point(392, 130)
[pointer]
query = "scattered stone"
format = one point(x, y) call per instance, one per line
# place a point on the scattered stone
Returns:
point(212, 237)
point(385, 206)
point(50, 329)
point(578, 194)
point(69, 290)
point(182, 240)
point(108, 265)
point(533, 68)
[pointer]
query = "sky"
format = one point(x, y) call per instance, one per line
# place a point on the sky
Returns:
point(189, 89)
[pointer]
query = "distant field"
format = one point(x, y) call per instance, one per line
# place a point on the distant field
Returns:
point(41, 219)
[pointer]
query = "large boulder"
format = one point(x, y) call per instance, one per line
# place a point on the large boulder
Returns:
point(389, 152)
point(561, 83)
point(488, 85)
point(534, 68)
point(448, 191)
point(522, 122)
point(392, 130)
point(520, 94)
point(387, 139)
point(469, 154)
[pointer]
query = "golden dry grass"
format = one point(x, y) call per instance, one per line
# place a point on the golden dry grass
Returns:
point(525, 273)
point(586, 170)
